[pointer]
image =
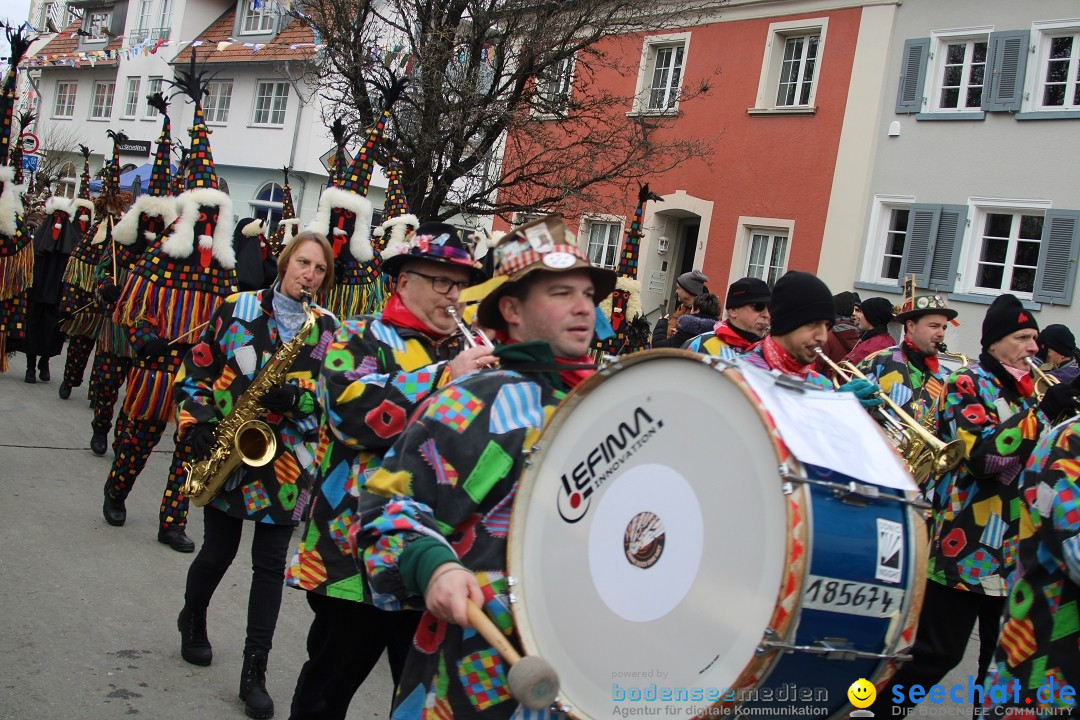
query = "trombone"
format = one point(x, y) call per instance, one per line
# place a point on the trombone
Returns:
point(923, 453)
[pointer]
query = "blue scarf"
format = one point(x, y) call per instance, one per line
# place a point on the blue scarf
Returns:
point(288, 314)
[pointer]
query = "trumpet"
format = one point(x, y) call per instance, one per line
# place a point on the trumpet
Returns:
point(467, 332)
point(923, 453)
point(1043, 382)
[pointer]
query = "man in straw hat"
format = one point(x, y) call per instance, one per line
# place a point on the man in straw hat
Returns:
point(378, 369)
point(464, 447)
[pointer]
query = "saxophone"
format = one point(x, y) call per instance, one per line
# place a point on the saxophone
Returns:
point(241, 437)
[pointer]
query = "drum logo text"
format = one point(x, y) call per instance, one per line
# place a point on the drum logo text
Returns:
point(643, 541)
point(601, 462)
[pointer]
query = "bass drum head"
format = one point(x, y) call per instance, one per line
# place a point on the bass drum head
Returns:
point(648, 536)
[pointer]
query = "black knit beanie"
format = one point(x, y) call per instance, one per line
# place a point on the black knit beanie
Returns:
point(1060, 339)
point(746, 291)
point(877, 310)
point(1005, 316)
point(799, 298)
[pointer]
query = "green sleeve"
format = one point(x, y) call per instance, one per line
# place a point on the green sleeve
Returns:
point(419, 560)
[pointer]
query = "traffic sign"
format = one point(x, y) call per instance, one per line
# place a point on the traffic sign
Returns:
point(30, 163)
point(326, 157)
point(30, 143)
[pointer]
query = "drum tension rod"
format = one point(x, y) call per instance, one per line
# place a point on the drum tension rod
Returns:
point(846, 490)
point(832, 649)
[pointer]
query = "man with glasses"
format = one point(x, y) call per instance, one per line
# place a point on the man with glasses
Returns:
point(746, 324)
point(377, 370)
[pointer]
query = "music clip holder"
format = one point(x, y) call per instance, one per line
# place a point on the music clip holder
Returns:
point(789, 382)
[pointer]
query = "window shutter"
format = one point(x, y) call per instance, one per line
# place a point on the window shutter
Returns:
point(918, 249)
point(1058, 255)
point(909, 95)
point(1007, 60)
point(946, 251)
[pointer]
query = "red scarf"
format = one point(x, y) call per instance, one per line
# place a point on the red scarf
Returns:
point(395, 313)
point(728, 334)
point(931, 361)
point(1024, 384)
point(571, 378)
point(780, 359)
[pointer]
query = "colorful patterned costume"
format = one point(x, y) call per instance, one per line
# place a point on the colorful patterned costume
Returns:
point(755, 357)
point(711, 344)
point(450, 481)
point(1040, 629)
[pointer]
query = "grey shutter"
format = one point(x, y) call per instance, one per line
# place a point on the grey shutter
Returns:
point(945, 253)
point(909, 95)
point(1060, 251)
point(918, 247)
point(1006, 60)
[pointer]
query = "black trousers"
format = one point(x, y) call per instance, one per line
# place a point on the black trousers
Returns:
point(269, 548)
point(345, 641)
point(945, 625)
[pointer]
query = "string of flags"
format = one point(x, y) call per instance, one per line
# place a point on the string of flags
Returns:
point(151, 47)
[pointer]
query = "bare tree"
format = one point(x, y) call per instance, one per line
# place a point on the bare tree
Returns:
point(60, 146)
point(478, 129)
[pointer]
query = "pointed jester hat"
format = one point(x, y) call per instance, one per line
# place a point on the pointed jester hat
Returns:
point(156, 209)
point(340, 159)
point(288, 225)
point(399, 225)
point(19, 45)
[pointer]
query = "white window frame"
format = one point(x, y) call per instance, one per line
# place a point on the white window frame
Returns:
point(773, 61)
point(217, 113)
point(647, 65)
point(271, 109)
point(1041, 35)
point(165, 17)
point(95, 36)
point(554, 92)
point(145, 12)
point(978, 209)
point(131, 103)
point(264, 209)
point(939, 40)
point(267, 15)
point(108, 100)
point(154, 83)
point(69, 105)
point(748, 227)
point(877, 232)
point(68, 181)
point(617, 226)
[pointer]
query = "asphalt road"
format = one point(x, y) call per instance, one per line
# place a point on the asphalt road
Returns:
point(88, 611)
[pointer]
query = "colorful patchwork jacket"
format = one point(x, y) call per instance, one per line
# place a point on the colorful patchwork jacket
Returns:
point(239, 342)
point(756, 358)
point(1040, 630)
point(976, 506)
point(450, 481)
point(374, 376)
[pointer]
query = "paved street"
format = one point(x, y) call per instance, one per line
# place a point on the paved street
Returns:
point(88, 611)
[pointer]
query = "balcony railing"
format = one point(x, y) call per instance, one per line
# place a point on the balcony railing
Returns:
point(143, 34)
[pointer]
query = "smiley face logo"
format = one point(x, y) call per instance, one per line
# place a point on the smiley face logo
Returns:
point(862, 693)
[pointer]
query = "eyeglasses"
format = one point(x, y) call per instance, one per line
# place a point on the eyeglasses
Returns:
point(758, 307)
point(440, 284)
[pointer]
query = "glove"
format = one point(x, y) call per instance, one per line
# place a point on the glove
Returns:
point(864, 390)
point(154, 347)
point(1059, 400)
point(201, 439)
point(281, 399)
point(110, 293)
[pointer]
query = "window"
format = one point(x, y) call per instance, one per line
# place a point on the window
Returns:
point(216, 102)
point(64, 107)
point(604, 243)
point(101, 105)
point(145, 8)
point(69, 178)
point(1058, 70)
point(895, 239)
point(153, 85)
point(768, 255)
point(267, 205)
point(660, 75)
point(1008, 252)
point(789, 69)
point(131, 105)
point(553, 90)
point(258, 17)
point(165, 19)
point(97, 24)
point(960, 74)
point(270, 101)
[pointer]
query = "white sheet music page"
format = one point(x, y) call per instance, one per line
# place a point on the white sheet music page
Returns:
point(830, 429)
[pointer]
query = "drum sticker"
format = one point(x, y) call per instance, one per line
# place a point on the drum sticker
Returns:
point(643, 541)
point(851, 598)
point(890, 551)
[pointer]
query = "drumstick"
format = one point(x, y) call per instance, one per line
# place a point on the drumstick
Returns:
point(192, 331)
point(532, 681)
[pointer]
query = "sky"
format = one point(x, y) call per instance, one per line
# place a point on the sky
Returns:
point(15, 11)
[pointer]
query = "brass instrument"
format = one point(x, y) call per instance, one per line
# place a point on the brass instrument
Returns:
point(467, 332)
point(956, 357)
point(241, 437)
point(923, 453)
point(1043, 382)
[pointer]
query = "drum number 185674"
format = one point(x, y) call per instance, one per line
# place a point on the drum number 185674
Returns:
point(853, 598)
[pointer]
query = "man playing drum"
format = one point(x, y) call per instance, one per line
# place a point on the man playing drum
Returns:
point(747, 321)
point(435, 516)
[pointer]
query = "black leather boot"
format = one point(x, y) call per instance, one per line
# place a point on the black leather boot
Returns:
point(194, 645)
point(177, 539)
point(31, 377)
point(114, 511)
point(99, 443)
point(257, 702)
point(43, 369)
point(65, 390)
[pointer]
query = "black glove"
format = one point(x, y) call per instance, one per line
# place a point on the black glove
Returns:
point(154, 347)
point(1059, 400)
point(281, 399)
point(110, 293)
point(201, 439)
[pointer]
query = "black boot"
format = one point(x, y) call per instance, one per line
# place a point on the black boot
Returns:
point(194, 645)
point(30, 376)
point(99, 443)
point(177, 539)
point(65, 390)
point(114, 511)
point(257, 702)
point(43, 369)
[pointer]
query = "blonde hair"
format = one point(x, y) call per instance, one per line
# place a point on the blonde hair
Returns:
point(296, 242)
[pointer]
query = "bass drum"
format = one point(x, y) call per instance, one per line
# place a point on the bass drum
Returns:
point(667, 552)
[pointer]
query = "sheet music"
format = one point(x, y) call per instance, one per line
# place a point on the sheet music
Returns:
point(830, 429)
